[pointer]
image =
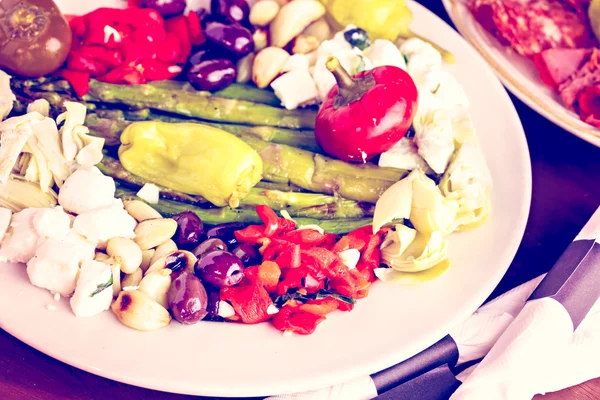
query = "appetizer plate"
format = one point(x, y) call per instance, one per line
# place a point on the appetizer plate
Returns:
point(518, 74)
point(390, 325)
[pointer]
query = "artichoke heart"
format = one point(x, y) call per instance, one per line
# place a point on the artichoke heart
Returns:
point(420, 253)
point(191, 158)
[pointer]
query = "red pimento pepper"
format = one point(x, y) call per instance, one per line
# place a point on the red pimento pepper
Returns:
point(169, 50)
point(364, 116)
point(321, 306)
point(80, 62)
point(269, 273)
point(156, 70)
point(80, 81)
point(269, 219)
point(111, 58)
point(305, 237)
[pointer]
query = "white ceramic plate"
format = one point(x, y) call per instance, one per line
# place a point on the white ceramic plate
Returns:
point(518, 74)
point(392, 324)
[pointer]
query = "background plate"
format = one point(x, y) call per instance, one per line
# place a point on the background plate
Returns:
point(518, 74)
point(392, 324)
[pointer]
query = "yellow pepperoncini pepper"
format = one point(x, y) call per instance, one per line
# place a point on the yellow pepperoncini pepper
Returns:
point(191, 158)
point(382, 19)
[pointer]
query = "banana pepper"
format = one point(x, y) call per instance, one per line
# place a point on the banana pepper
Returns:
point(191, 158)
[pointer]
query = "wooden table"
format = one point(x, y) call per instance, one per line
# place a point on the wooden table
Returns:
point(566, 190)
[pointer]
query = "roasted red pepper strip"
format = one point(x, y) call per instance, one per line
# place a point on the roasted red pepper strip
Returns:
point(77, 25)
point(179, 26)
point(80, 62)
point(169, 50)
point(111, 58)
point(251, 234)
point(156, 70)
point(293, 319)
point(321, 306)
point(80, 81)
point(269, 273)
point(249, 299)
point(269, 219)
point(305, 237)
point(196, 34)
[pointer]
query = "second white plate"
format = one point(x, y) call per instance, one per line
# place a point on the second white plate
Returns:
point(518, 74)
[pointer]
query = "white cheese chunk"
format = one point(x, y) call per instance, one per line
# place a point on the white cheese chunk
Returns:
point(56, 265)
point(297, 61)
point(295, 88)
point(28, 228)
point(93, 293)
point(403, 155)
point(350, 257)
point(384, 52)
point(150, 193)
point(86, 190)
point(102, 224)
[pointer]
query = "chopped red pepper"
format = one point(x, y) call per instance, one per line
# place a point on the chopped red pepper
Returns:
point(77, 25)
point(251, 234)
point(269, 219)
point(111, 58)
point(321, 306)
point(249, 299)
point(269, 272)
point(293, 319)
point(179, 26)
point(80, 62)
point(196, 35)
point(80, 81)
point(320, 257)
point(156, 70)
point(170, 49)
point(305, 237)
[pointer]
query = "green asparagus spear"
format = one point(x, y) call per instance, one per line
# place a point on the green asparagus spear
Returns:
point(233, 91)
point(312, 205)
point(193, 105)
point(303, 139)
point(223, 215)
point(283, 187)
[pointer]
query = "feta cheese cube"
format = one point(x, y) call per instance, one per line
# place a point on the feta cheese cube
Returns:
point(86, 190)
point(94, 292)
point(102, 224)
point(384, 52)
point(295, 88)
point(297, 61)
point(55, 265)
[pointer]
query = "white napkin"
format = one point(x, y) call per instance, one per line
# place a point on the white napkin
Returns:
point(539, 352)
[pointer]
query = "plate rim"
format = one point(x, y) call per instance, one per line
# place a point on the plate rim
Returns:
point(377, 363)
point(590, 135)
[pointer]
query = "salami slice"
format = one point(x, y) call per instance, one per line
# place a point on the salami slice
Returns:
point(531, 26)
point(587, 75)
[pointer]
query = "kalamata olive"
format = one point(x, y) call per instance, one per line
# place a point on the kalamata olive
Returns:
point(234, 38)
point(187, 298)
point(225, 232)
point(166, 8)
point(212, 75)
point(231, 10)
point(213, 301)
point(220, 269)
point(247, 253)
point(209, 245)
point(190, 230)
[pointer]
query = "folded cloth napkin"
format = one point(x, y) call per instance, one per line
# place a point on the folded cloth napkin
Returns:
point(563, 301)
point(555, 340)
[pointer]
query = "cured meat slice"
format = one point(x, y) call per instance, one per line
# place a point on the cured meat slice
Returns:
point(557, 65)
point(531, 26)
point(587, 75)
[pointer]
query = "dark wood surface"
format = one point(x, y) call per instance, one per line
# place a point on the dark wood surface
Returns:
point(566, 191)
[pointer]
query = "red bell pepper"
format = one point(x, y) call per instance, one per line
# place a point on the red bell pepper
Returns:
point(349, 123)
point(249, 299)
point(320, 257)
point(269, 219)
point(80, 62)
point(251, 234)
point(305, 237)
point(156, 70)
point(179, 27)
point(78, 27)
point(123, 74)
point(169, 50)
point(290, 318)
point(196, 35)
point(111, 58)
point(79, 81)
point(269, 273)
point(321, 306)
